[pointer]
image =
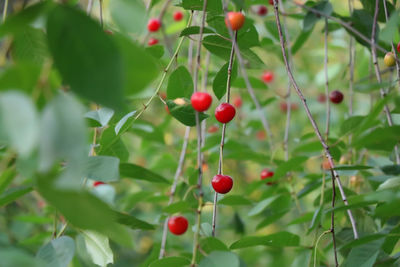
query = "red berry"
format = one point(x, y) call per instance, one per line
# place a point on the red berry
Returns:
point(178, 16)
point(398, 47)
point(268, 76)
point(97, 183)
point(234, 20)
point(222, 183)
point(262, 10)
point(201, 101)
point(152, 41)
point(321, 98)
point(265, 174)
point(178, 225)
point(108, 32)
point(284, 107)
point(261, 135)
point(336, 97)
point(237, 102)
point(225, 112)
point(271, 2)
point(153, 25)
point(212, 129)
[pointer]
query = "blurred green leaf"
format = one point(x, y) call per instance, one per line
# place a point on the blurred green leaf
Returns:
point(58, 252)
point(128, 170)
point(180, 84)
point(280, 239)
point(220, 258)
point(220, 80)
point(185, 113)
point(170, 262)
point(234, 200)
point(102, 168)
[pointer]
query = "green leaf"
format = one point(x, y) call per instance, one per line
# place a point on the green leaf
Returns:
point(22, 76)
point(351, 124)
point(177, 207)
point(30, 46)
point(14, 194)
point(311, 18)
point(212, 6)
point(382, 138)
point(6, 178)
point(391, 169)
point(83, 209)
point(234, 200)
point(100, 117)
point(11, 257)
point(185, 113)
point(280, 239)
point(133, 222)
point(300, 40)
point(368, 88)
point(125, 123)
point(128, 170)
point(365, 255)
point(220, 258)
point(129, 15)
point(352, 167)
point(79, 45)
point(220, 80)
point(97, 246)
point(58, 252)
point(102, 168)
point(195, 30)
point(19, 122)
point(210, 244)
point(180, 84)
point(290, 165)
point(63, 132)
point(170, 262)
point(262, 205)
point(112, 145)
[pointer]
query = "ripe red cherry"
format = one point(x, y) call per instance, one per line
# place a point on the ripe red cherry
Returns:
point(336, 97)
point(268, 76)
point(178, 225)
point(152, 41)
point(321, 98)
point(212, 129)
point(271, 2)
point(97, 183)
point(234, 20)
point(237, 102)
point(262, 10)
point(284, 107)
point(178, 16)
point(261, 135)
point(398, 47)
point(225, 112)
point(265, 174)
point(153, 25)
point(222, 183)
point(201, 101)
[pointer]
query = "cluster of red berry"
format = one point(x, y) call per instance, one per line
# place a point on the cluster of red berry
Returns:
point(154, 25)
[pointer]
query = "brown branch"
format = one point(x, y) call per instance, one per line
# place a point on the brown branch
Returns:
point(378, 74)
point(333, 218)
point(310, 117)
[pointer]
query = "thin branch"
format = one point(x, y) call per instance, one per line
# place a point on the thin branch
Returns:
point(221, 146)
point(199, 139)
point(89, 7)
point(328, 103)
point(173, 189)
point(101, 12)
point(332, 230)
point(5, 7)
point(310, 117)
point(166, 70)
point(393, 47)
point(342, 23)
point(378, 74)
point(316, 245)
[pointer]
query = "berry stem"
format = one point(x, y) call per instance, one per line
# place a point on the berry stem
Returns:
point(173, 189)
point(199, 138)
point(311, 118)
point(328, 103)
point(378, 74)
point(165, 72)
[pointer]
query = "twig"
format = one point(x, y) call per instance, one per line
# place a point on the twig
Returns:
point(328, 104)
point(310, 117)
point(199, 140)
point(5, 7)
point(332, 230)
point(89, 7)
point(316, 245)
point(101, 13)
point(165, 72)
point(342, 23)
point(352, 55)
point(221, 146)
point(378, 74)
point(173, 189)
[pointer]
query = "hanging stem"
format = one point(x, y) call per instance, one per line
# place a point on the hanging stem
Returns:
point(199, 140)
point(5, 7)
point(173, 189)
point(378, 74)
point(328, 104)
point(311, 118)
point(332, 230)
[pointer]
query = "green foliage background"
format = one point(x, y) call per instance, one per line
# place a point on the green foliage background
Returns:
point(69, 89)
